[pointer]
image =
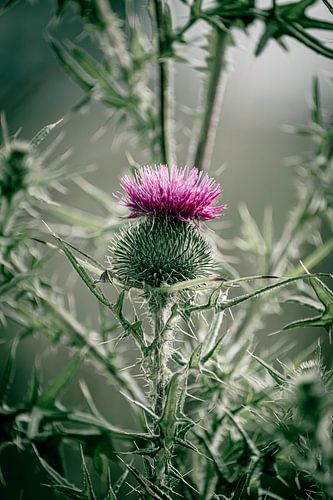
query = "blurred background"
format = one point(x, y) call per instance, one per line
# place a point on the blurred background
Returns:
point(261, 95)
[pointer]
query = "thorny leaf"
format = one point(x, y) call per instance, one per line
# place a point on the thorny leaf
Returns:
point(277, 376)
point(147, 485)
point(60, 483)
point(87, 491)
point(194, 362)
point(81, 268)
point(49, 397)
point(212, 301)
point(111, 495)
point(8, 373)
point(168, 420)
point(325, 319)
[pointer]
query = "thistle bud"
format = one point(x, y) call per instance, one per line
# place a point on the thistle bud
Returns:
point(158, 251)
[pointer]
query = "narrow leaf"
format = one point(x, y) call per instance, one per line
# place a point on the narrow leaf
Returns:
point(88, 490)
point(8, 373)
point(277, 376)
point(54, 391)
point(169, 416)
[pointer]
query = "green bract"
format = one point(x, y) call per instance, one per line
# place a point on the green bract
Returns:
point(159, 250)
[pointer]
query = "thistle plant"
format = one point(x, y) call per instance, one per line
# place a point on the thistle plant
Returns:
point(216, 415)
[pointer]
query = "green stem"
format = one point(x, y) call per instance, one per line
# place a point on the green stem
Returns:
point(204, 151)
point(160, 358)
point(165, 100)
point(159, 363)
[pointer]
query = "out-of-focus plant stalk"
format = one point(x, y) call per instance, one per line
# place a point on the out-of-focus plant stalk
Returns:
point(114, 35)
point(165, 93)
point(212, 107)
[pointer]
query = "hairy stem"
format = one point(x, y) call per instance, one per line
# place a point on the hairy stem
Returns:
point(212, 107)
point(165, 99)
point(159, 363)
point(160, 358)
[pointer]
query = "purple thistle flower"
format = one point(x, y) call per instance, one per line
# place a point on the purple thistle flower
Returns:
point(183, 193)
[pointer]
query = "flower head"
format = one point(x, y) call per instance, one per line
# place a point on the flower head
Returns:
point(183, 193)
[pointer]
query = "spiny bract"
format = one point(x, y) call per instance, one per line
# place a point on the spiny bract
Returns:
point(159, 250)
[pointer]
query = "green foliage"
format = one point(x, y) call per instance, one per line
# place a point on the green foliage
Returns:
point(325, 319)
point(216, 416)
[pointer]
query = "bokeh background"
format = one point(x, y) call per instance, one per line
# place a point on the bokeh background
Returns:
point(261, 95)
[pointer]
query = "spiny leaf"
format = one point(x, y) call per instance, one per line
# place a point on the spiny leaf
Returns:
point(324, 294)
point(325, 319)
point(53, 392)
point(103, 199)
point(316, 257)
point(248, 441)
point(90, 264)
point(256, 293)
point(210, 339)
point(148, 486)
point(14, 282)
point(88, 490)
point(99, 423)
point(181, 478)
point(170, 411)
point(80, 270)
point(254, 237)
point(135, 328)
point(239, 491)
point(88, 397)
point(194, 362)
point(120, 481)
point(8, 373)
point(306, 323)
point(118, 307)
point(110, 495)
point(77, 218)
point(277, 376)
point(316, 107)
point(69, 66)
point(213, 352)
point(271, 30)
point(140, 405)
point(61, 483)
point(35, 386)
point(88, 63)
point(296, 31)
point(212, 455)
